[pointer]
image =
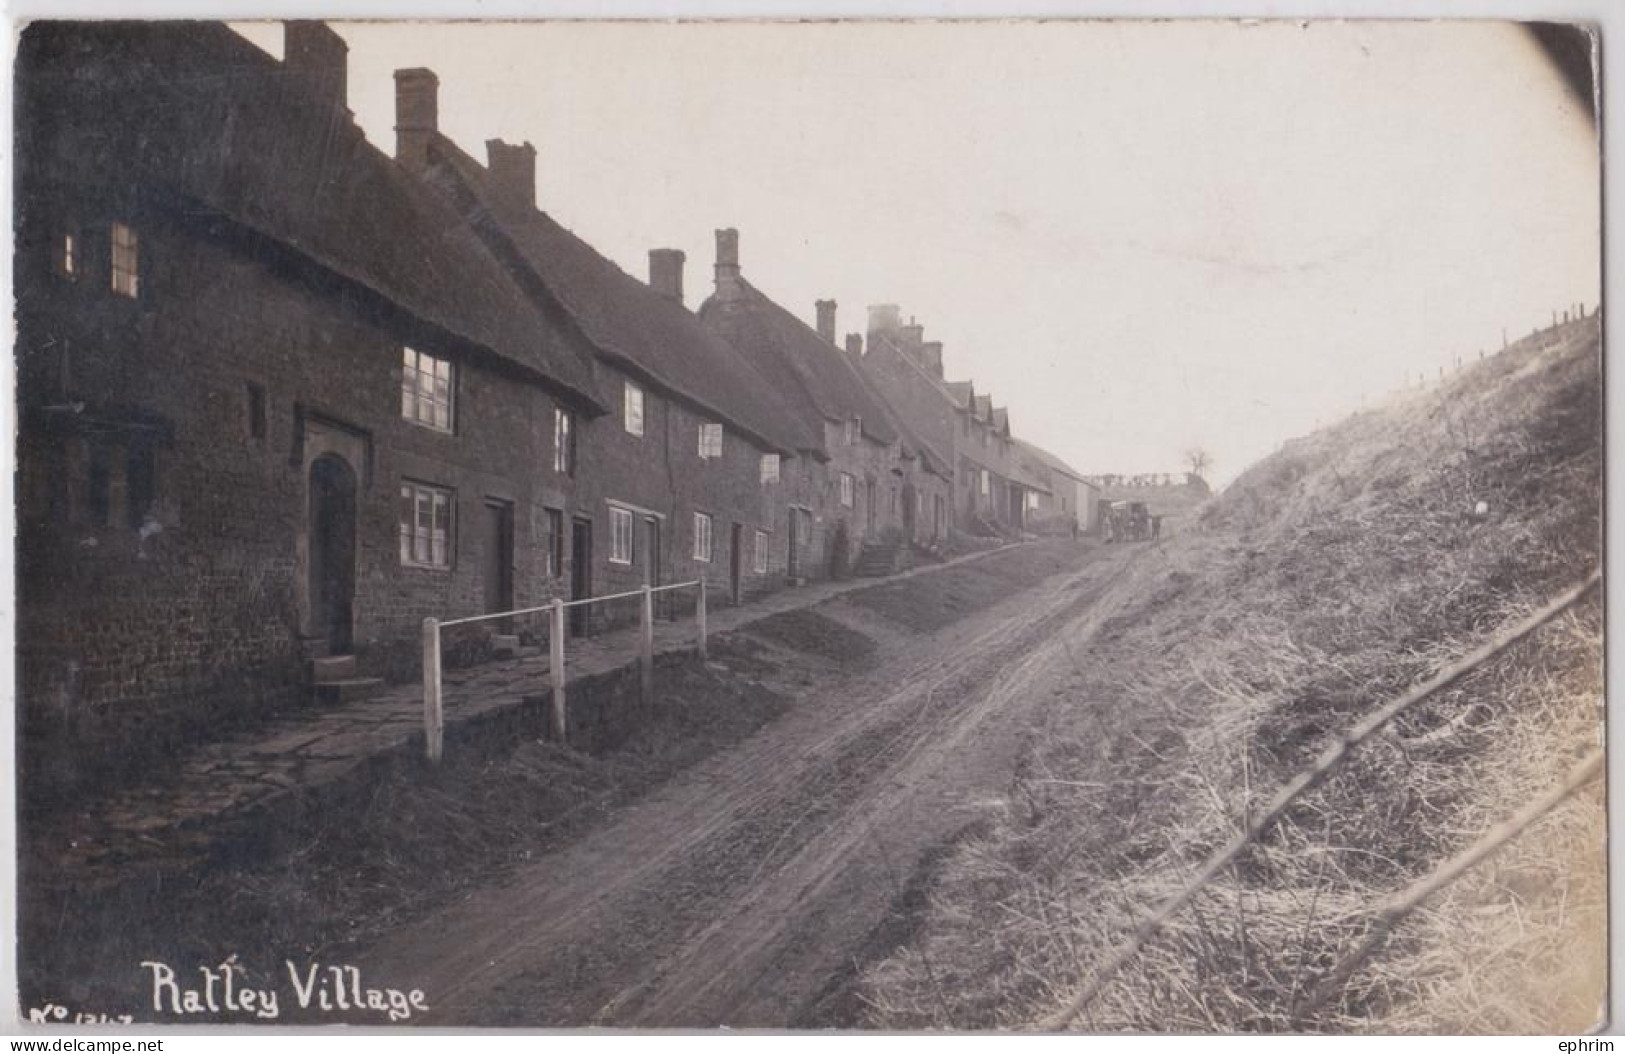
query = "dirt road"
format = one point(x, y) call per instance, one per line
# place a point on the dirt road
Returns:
point(735, 894)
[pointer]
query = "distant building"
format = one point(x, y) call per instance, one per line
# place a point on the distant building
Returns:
point(876, 482)
point(1070, 496)
point(992, 489)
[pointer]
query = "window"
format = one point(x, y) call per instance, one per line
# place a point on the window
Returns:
point(846, 489)
point(710, 440)
point(256, 410)
point(65, 254)
point(987, 483)
point(620, 535)
point(702, 537)
point(854, 430)
point(425, 525)
point(770, 468)
point(426, 389)
point(555, 543)
point(126, 261)
point(760, 563)
point(564, 442)
point(634, 409)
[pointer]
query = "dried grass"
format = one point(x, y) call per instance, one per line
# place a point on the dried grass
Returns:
point(1327, 579)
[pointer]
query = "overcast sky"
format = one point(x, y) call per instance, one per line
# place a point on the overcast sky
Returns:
point(1137, 236)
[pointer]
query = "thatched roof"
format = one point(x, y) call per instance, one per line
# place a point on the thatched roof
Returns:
point(190, 119)
point(630, 325)
point(818, 380)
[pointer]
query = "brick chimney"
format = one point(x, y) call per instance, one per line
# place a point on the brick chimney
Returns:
point(911, 335)
point(417, 115)
point(513, 170)
point(318, 59)
point(931, 357)
point(883, 318)
point(727, 270)
point(666, 273)
point(854, 345)
point(826, 320)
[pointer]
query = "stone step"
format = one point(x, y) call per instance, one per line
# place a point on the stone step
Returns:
point(329, 668)
point(347, 690)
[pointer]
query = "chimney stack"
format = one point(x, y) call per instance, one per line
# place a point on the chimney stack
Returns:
point(826, 320)
point(931, 357)
point(666, 273)
point(912, 334)
point(513, 170)
point(854, 345)
point(883, 318)
point(727, 271)
point(417, 115)
point(318, 58)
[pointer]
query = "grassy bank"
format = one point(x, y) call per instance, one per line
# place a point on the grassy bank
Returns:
point(1325, 580)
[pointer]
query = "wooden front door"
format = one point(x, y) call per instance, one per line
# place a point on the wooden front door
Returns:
point(580, 574)
point(793, 558)
point(736, 562)
point(497, 548)
point(332, 552)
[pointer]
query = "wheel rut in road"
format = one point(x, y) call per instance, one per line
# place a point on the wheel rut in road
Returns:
point(733, 895)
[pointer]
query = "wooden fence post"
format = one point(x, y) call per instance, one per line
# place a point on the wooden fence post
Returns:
point(699, 618)
point(433, 713)
point(555, 665)
point(646, 649)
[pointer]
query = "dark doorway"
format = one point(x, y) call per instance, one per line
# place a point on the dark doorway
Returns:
point(498, 550)
point(793, 558)
point(911, 501)
point(332, 552)
point(580, 575)
point(651, 530)
point(736, 561)
point(869, 506)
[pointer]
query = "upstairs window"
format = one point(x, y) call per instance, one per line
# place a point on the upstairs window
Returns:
point(760, 562)
point(710, 440)
point(770, 468)
point(846, 489)
point(126, 261)
point(426, 390)
point(634, 409)
point(987, 483)
point(425, 526)
point(854, 430)
point(620, 535)
point(564, 442)
point(702, 537)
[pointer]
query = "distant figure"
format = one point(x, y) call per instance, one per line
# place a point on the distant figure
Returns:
point(1074, 528)
point(1156, 527)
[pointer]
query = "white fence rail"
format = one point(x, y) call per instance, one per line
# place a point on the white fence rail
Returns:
point(434, 723)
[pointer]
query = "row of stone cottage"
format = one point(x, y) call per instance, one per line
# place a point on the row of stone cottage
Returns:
point(281, 394)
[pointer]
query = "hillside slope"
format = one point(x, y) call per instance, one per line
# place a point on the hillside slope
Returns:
point(1324, 581)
